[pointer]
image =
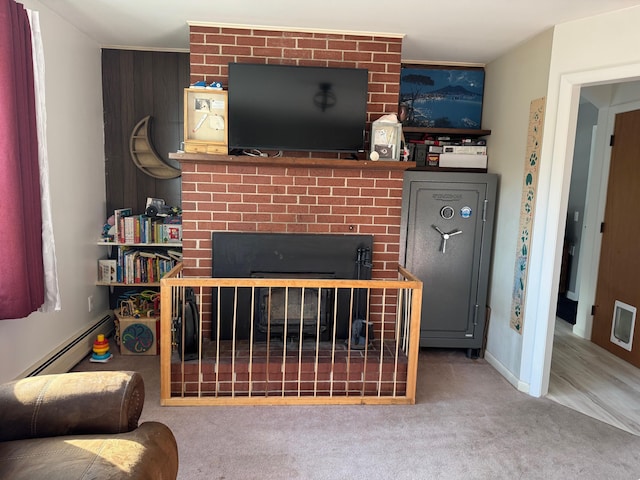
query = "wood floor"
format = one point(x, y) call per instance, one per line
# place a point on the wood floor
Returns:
point(593, 381)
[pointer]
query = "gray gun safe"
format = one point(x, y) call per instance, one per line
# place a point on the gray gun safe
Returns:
point(445, 240)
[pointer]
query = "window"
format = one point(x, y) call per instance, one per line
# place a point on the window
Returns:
point(22, 271)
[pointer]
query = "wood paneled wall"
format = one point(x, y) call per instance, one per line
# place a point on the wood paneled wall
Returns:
point(137, 84)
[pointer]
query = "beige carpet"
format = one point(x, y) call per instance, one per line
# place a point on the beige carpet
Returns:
point(468, 423)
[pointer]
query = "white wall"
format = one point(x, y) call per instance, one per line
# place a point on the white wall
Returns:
point(76, 156)
point(590, 51)
point(511, 83)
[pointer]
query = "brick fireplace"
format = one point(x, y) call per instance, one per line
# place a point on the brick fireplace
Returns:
point(298, 194)
point(301, 193)
point(223, 196)
point(289, 256)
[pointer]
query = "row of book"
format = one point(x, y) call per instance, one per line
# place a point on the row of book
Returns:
point(137, 266)
point(131, 228)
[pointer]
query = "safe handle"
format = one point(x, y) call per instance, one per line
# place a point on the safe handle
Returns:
point(445, 237)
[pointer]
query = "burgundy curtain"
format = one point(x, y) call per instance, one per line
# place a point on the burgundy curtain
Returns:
point(21, 268)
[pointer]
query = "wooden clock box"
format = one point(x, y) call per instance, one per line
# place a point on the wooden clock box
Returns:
point(205, 121)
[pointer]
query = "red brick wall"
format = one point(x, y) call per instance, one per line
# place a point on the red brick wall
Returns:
point(290, 200)
point(277, 199)
point(213, 48)
point(274, 199)
point(283, 199)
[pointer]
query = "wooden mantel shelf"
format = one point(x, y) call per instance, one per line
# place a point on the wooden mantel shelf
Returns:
point(290, 161)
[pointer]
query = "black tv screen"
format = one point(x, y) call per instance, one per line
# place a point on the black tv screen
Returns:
point(284, 107)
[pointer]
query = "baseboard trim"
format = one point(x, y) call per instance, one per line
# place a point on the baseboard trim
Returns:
point(77, 347)
point(510, 377)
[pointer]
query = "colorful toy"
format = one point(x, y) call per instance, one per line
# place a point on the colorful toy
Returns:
point(101, 352)
point(108, 229)
point(202, 84)
point(139, 304)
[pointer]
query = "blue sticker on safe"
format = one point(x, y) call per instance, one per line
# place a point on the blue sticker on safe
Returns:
point(465, 212)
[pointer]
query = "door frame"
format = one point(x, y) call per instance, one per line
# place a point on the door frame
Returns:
point(549, 224)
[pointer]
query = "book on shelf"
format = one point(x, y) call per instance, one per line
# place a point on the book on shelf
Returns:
point(108, 271)
point(148, 270)
point(143, 229)
point(129, 266)
point(135, 265)
point(175, 255)
point(132, 262)
point(163, 256)
point(171, 233)
point(129, 229)
point(119, 215)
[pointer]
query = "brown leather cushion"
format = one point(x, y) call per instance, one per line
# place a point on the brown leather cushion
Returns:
point(148, 452)
point(71, 403)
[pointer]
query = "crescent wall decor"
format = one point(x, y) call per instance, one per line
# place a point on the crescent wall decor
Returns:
point(144, 154)
point(527, 210)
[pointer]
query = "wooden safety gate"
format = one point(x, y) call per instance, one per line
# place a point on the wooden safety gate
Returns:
point(277, 341)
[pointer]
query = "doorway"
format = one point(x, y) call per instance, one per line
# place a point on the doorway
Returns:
point(587, 194)
point(541, 301)
point(583, 154)
point(591, 388)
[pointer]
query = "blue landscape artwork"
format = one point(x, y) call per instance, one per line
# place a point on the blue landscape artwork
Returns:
point(441, 97)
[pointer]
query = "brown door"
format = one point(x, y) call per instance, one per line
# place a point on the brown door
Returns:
point(619, 272)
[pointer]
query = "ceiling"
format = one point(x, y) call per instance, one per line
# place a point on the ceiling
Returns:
point(436, 31)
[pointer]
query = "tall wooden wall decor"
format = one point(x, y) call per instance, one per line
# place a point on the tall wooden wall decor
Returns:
point(527, 210)
point(136, 84)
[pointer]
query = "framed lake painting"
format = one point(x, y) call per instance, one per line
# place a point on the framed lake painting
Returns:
point(441, 97)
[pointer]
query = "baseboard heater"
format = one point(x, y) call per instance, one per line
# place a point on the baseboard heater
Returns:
point(70, 353)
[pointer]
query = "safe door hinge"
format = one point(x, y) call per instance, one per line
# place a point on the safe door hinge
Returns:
point(471, 333)
point(484, 210)
point(611, 140)
point(602, 227)
point(593, 309)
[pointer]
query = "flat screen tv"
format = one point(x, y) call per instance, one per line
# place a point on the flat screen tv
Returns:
point(294, 108)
